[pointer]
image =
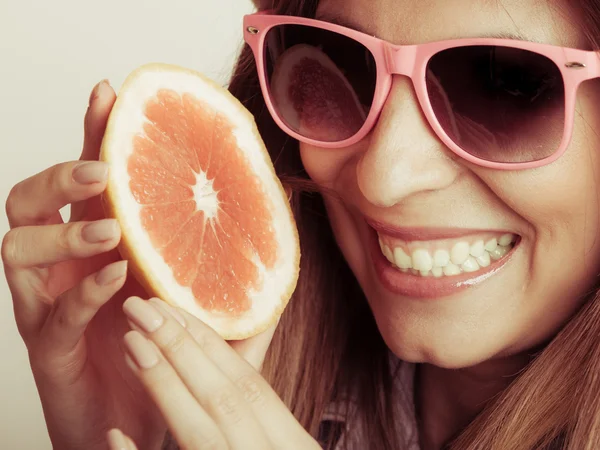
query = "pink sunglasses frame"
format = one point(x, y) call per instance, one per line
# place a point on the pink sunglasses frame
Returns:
point(575, 66)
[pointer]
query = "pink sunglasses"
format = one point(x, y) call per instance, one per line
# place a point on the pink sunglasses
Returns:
point(498, 103)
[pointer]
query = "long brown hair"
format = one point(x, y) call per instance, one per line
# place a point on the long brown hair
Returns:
point(328, 336)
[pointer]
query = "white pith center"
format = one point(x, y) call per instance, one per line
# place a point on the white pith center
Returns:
point(205, 196)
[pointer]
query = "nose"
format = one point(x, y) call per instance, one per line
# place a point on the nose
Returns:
point(404, 157)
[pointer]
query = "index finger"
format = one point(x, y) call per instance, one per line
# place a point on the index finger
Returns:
point(37, 199)
point(276, 419)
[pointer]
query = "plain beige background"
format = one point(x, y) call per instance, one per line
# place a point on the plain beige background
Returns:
point(51, 55)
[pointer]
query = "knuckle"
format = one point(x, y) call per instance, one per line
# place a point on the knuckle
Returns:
point(12, 202)
point(10, 247)
point(227, 403)
point(157, 377)
point(252, 388)
point(171, 341)
point(63, 316)
point(84, 295)
point(205, 339)
point(60, 177)
point(89, 297)
point(67, 236)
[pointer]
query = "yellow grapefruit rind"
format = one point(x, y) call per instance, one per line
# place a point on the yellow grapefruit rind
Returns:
point(135, 257)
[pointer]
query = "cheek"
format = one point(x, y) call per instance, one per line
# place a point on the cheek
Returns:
point(325, 166)
point(311, 158)
point(335, 170)
point(578, 186)
point(561, 200)
point(561, 204)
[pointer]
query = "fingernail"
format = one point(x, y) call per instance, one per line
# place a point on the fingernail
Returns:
point(140, 349)
point(169, 310)
point(97, 90)
point(116, 440)
point(143, 314)
point(100, 231)
point(111, 273)
point(90, 172)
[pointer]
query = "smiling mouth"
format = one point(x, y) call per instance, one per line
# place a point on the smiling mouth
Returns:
point(430, 263)
point(449, 257)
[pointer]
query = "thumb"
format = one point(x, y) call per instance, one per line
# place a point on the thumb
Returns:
point(255, 348)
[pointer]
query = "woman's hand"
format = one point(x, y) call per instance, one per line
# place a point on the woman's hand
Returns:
point(209, 395)
point(68, 285)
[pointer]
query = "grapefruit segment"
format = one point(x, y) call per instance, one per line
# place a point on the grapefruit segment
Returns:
point(172, 127)
point(150, 183)
point(164, 221)
point(206, 223)
point(154, 154)
point(182, 252)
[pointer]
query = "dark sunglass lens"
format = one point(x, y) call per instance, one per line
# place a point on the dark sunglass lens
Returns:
point(321, 83)
point(500, 104)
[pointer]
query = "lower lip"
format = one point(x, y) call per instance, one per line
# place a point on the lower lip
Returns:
point(416, 286)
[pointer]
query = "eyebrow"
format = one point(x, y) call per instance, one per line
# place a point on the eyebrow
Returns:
point(515, 36)
point(338, 20)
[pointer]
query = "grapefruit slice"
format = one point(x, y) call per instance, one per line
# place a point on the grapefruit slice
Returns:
point(206, 222)
point(313, 95)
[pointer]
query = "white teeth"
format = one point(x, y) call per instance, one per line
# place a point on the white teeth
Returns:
point(470, 265)
point(451, 269)
point(387, 252)
point(499, 252)
point(477, 249)
point(463, 258)
point(422, 260)
point(402, 260)
point(491, 245)
point(437, 272)
point(460, 253)
point(484, 260)
point(441, 258)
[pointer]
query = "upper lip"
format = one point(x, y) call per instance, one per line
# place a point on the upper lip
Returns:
point(426, 233)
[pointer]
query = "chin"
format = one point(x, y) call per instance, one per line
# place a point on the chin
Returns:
point(447, 347)
point(443, 357)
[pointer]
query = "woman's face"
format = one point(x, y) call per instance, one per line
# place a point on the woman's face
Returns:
point(431, 205)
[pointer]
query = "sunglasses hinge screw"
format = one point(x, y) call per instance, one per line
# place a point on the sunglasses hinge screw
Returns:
point(252, 30)
point(575, 65)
